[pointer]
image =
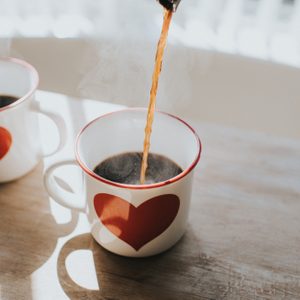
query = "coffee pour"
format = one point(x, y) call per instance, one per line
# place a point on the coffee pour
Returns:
point(169, 7)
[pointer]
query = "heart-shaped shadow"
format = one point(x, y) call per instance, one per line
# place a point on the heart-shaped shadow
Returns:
point(136, 225)
point(5, 141)
point(183, 272)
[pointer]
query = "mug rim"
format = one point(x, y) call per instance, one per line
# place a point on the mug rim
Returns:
point(90, 172)
point(32, 70)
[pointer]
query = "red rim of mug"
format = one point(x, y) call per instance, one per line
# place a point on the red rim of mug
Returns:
point(131, 186)
point(33, 72)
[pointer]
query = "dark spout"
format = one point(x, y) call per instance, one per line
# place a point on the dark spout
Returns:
point(170, 4)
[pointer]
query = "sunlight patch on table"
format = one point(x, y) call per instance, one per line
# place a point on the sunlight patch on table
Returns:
point(47, 274)
point(81, 268)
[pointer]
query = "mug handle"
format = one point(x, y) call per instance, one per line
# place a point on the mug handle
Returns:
point(59, 194)
point(60, 124)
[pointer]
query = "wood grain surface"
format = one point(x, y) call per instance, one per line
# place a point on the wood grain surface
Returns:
point(242, 242)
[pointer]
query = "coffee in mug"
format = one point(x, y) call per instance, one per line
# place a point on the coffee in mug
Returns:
point(126, 167)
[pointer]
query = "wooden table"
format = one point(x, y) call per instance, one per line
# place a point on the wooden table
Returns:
point(243, 239)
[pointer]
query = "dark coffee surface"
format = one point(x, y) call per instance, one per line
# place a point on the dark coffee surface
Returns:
point(7, 100)
point(126, 167)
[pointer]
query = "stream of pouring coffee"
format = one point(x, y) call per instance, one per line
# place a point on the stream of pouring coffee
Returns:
point(151, 108)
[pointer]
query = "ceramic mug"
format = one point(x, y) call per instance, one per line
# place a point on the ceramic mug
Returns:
point(19, 131)
point(132, 220)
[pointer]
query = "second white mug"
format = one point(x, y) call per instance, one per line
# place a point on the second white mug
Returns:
point(20, 149)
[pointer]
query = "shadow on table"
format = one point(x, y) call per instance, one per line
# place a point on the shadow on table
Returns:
point(28, 232)
point(179, 273)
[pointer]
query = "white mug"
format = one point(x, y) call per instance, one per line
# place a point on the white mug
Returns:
point(19, 131)
point(132, 220)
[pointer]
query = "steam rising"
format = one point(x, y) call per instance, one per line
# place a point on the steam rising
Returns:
point(123, 73)
point(119, 67)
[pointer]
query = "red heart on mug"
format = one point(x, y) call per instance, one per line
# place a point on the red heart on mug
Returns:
point(136, 225)
point(5, 142)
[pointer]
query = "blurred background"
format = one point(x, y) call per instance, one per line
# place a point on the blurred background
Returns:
point(232, 62)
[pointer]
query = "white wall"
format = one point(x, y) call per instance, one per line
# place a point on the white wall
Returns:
point(205, 85)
